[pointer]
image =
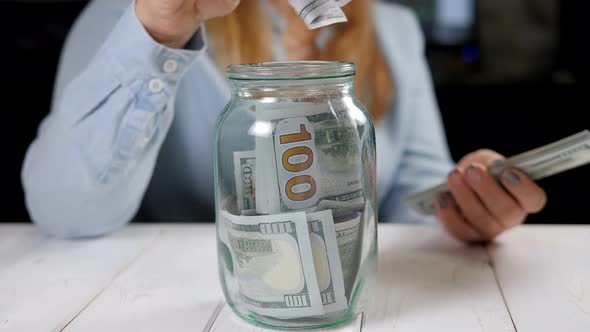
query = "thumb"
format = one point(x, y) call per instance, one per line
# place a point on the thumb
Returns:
point(207, 9)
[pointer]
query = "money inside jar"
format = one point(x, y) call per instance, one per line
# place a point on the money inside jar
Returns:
point(295, 194)
point(297, 244)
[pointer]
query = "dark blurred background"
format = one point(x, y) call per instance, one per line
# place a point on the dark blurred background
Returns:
point(510, 76)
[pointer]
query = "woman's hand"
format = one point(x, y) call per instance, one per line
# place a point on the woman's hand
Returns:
point(481, 208)
point(173, 22)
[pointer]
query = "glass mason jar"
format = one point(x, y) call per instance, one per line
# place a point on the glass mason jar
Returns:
point(295, 195)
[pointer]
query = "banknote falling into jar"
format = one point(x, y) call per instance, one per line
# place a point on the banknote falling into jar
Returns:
point(319, 13)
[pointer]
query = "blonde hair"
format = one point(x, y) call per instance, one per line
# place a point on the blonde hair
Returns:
point(244, 36)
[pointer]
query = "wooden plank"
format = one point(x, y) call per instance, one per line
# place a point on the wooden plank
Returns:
point(428, 281)
point(228, 321)
point(544, 273)
point(16, 241)
point(52, 282)
point(173, 286)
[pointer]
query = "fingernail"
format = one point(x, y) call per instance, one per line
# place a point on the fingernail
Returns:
point(496, 168)
point(455, 177)
point(498, 163)
point(442, 202)
point(511, 178)
point(450, 198)
point(473, 174)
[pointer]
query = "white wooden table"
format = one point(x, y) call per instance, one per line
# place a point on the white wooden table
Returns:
point(164, 278)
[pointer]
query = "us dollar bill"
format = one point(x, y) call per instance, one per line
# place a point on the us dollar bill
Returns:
point(310, 154)
point(326, 256)
point(348, 227)
point(273, 263)
point(554, 158)
point(319, 13)
point(356, 204)
point(245, 178)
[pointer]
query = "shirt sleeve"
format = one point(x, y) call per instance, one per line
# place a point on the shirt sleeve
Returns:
point(425, 159)
point(87, 170)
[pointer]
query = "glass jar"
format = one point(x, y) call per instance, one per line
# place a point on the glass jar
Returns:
point(295, 195)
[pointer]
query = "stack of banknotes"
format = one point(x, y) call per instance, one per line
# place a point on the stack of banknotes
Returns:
point(557, 157)
point(318, 13)
point(293, 229)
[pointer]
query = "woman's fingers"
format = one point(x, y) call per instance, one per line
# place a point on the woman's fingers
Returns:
point(174, 22)
point(453, 221)
point(474, 211)
point(501, 205)
point(483, 156)
point(529, 195)
point(486, 205)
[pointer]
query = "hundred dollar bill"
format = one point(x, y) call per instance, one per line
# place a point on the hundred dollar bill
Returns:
point(326, 257)
point(266, 196)
point(349, 238)
point(310, 154)
point(273, 263)
point(356, 204)
point(319, 13)
point(560, 156)
point(245, 176)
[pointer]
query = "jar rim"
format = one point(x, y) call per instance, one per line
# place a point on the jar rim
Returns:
point(290, 70)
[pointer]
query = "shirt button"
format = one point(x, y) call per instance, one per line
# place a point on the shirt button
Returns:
point(170, 66)
point(143, 142)
point(156, 85)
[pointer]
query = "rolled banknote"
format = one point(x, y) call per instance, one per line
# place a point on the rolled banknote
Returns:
point(349, 237)
point(326, 257)
point(245, 178)
point(273, 263)
point(319, 13)
point(310, 154)
point(557, 157)
point(356, 204)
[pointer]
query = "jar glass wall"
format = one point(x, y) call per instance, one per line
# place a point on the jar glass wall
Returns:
point(295, 195)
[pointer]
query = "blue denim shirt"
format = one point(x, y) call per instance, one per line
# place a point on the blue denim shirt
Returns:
point(132, 122)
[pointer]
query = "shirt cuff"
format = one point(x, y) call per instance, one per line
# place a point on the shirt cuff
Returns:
point(141, 57)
